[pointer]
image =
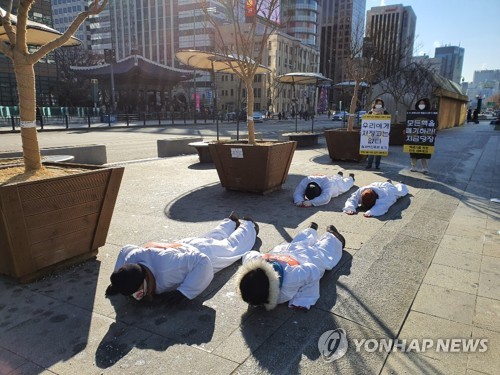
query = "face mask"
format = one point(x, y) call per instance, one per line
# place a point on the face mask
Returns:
point(378, 106)
point(141, 292)
point(421, 106)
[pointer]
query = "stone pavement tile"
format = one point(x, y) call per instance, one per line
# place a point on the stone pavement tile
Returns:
point(467, 226)
point(452, 278)
point(294, 349)
point(458, 259)
point(157, 356)
point(491, 265)
point(422, 326)
point(419, 363)
point(70, 339)
point(468, 244)
point(487, 314)
point(256, 326)
point(445, 303)
point(491, 248)
point(489, 285)
point(487, 362)
point(425, 227)
point(397, 278)
point(10, 362)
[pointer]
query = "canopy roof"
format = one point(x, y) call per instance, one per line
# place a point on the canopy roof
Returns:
point(136, 68)
point(218, 62)
point(303, 78)
point(38, 34)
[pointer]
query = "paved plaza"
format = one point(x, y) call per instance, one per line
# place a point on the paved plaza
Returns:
point(428, 270)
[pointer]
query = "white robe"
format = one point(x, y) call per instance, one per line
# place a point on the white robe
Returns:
point(189, 265)
point(387, 193)
point(315, 255)
point(331, 187)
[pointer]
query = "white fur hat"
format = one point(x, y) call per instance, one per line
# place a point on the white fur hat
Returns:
point(269, 272)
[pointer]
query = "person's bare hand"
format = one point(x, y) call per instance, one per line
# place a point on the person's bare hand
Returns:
point(367, 215)
point(350, 212)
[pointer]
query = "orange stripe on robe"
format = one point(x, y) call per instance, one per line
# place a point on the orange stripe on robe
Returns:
point(288, 259)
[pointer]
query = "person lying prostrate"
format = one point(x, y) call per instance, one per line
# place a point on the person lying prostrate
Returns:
point(376, 198)
point(319, 190)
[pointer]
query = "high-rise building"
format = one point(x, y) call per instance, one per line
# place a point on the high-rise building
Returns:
point(452, 60)
point(45, 69)
point(486, 75)
point(300, 20)
point(342, 26)
point(391, 29)
point(63, 14)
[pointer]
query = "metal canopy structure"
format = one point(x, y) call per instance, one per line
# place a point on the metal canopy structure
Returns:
point(303, 78)
point(38, 34)
point(219, 63)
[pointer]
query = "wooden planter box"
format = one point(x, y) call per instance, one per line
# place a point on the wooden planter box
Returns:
point(343, 145)
point(262, 168)
point(397, 135)
point(303, 139)
point(47, 224)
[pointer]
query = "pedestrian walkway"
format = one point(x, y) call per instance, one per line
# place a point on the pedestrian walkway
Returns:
point(427, 270)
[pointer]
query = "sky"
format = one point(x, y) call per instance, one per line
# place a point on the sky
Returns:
point(472, 24)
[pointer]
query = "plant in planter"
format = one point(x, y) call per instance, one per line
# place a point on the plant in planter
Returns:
point(241, 44)
point(47, 221)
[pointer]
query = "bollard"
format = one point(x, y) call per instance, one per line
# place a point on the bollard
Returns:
point(109, 120)
point(144, 118)
point(159, 118)
point(13, 122)
point(88, 117)
point(67, 121)
point(126, 118)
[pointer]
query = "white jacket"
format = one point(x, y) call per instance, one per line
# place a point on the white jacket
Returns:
point(331, 187)
point(314, 256)
point(387, 193)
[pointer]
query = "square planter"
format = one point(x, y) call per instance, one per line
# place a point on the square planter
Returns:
point(260, 168)
point(50, 223)
point(343, 145)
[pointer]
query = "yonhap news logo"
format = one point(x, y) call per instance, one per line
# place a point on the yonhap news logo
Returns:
point(333, 345)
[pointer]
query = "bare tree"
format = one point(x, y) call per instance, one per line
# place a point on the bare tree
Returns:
point(408, 84)
point(250, 24)
point(74, 89)
point(23, 59)
point(362, 66)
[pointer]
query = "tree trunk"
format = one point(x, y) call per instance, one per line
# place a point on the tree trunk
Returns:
point(250, 102)
point(352, 108)
point(25, 76)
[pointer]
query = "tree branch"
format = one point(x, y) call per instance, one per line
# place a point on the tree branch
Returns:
point(94, 8)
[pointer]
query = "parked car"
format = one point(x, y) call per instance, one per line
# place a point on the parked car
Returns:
point(340, 116)
point(258, 116)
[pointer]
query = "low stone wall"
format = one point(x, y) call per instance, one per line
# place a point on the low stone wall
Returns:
point(176, 146)
point(87, 154)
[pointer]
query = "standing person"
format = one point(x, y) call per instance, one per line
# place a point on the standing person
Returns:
point(319, 190)
point(469, 115)
point(376, 198)
point(185, 267)
point(423, 105)
point(291, 271)
point(475, 116)
point(378, 108)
